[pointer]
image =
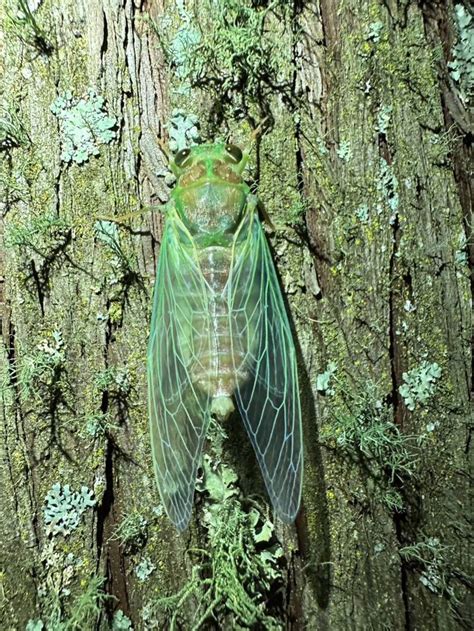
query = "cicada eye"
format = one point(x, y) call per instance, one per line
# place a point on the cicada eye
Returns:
point(182, 157)
point(234, 152)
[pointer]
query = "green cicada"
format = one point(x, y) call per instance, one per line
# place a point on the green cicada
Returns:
point(219, 331)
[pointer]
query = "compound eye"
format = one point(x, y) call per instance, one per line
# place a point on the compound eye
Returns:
point(234, 152)
point(182, 157)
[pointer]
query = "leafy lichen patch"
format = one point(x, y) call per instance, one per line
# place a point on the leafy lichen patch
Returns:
point(84, 125)
point(64, 508)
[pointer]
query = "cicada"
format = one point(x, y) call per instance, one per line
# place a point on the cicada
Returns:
point(219, 334)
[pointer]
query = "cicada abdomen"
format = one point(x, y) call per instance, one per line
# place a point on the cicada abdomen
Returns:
point(220, 366)
point(220, 333)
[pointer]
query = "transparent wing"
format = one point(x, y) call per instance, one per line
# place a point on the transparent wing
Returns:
point(179, 411)
point(268, 399)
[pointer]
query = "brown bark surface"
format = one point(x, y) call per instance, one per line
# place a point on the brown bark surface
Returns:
point(363, 169)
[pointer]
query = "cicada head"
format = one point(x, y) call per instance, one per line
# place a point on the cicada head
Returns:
point(210, 192)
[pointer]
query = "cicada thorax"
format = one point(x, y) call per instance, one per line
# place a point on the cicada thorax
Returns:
point(210, 197)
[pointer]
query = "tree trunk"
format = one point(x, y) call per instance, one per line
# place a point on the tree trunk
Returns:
point(361, 163)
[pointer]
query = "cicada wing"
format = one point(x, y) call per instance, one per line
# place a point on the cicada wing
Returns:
point(268, 399)
point(179, 411)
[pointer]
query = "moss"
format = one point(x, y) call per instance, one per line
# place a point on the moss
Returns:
point(22, 22)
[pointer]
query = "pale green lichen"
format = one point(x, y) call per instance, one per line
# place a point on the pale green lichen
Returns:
point(71, 611)
point(122, 272)
point(383, 118)
point(107, 232)
point(115, 380)
point(64, 508)
point(86, 607)
point(26, 26)
point(362, 427)
point(461, 258)
point(239, 566)
point(362, 213)
point(182, 48)
point(323, 380)
point(220, 46)
point(183, 130)
point(144, 569)
point(344, 151)
point(43, 369)
point(374, 30)
point(387, 186)
point(12, 130)
point(42, 233)
point(97, 425)
point(433, 559)
point(462, 66)
point(69, 597)
point(121, 622)
point(131, 533)
point(419, 384)
point(84, 125)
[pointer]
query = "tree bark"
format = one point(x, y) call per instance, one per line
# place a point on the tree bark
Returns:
point(362, 164)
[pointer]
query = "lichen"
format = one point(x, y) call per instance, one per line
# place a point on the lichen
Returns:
point(64, 508)
point(121, 622)
point(12, 129)
point(362, 427)
point(41, 233)
point(344, 151)
point(183, 130)
point(323, 379)
point(42, 371)
point(461, 67)
point(387, 186)
point(122, 274)
point(131, 533)
point(115, 380)
point(222, 47)
point(144, 569)
point(240, 565)
point(433, 560)
point(84, 125)
point(25, 25)
point(419, 384)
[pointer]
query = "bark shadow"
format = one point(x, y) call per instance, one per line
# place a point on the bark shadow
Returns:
point(312, 522)
point(313, 519)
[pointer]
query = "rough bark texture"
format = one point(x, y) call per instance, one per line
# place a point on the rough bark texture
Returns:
point(363, 170)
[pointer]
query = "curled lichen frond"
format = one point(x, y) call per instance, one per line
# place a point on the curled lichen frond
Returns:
point(240, 565)
point(361, 426)
point(225, 47)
